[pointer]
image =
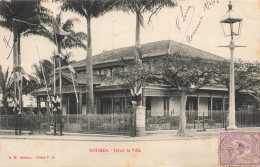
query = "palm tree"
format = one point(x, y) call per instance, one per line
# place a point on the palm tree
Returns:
point(6, 86)
point(38, 73)
point(74, 40)
point(20, 17)
point(88, 9)
point(139, 7)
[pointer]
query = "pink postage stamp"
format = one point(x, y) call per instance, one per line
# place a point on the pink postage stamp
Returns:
point(239, 148)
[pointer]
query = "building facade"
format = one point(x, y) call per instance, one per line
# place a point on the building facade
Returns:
point(159, 100)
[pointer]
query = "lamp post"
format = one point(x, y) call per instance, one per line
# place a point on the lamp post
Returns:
point(231, 25)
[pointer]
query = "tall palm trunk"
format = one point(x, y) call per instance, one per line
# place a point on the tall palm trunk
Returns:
point(16, 69)
point(137, 35)
point(182, 123)
point(19, 70)
point(138, 55)
point(89, 72)
point(15, 58)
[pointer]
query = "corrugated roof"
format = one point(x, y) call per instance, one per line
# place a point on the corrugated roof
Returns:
point(150, 49)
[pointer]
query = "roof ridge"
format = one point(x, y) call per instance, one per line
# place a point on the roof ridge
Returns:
point(129, 47)
point(169, 46)
point(194, 48)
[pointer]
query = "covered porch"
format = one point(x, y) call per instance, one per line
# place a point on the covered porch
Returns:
point(163, 108)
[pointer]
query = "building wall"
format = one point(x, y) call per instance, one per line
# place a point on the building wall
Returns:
point(30, 101)
point(84, 109)
point(157, 106)
point(175, 103)
point(64, 107)
point(203, 106)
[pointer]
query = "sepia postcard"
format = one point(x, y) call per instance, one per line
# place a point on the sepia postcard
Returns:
point(129, 83)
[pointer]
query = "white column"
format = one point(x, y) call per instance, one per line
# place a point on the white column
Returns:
point(198, 112)
point(140, 121)
point(211, 107)
point(232, 112)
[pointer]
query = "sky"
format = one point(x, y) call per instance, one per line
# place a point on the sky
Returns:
point(117, 29)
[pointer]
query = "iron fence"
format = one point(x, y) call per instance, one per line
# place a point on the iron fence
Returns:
point(8, 122)
point(90, 123)
point(204, 120)
point(123, 123)
point(162, 123)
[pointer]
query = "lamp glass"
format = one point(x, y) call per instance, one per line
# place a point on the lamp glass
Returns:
point(231, 23)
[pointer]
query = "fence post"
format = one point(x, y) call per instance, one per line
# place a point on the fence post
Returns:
point(226, 117)
point(194, 121)
point(88, 123)
point(39, 124)
point(203, 123)
point(55, 126)
point(172, 119)
point(60, 122)
point(31, 121)
point(112, 121)
point(221, 118)
point(241, 118)
point(16, 124)
point(20, 124)
point(223, 115)
point(258, 112)
point(6, 122)
point(134, 119)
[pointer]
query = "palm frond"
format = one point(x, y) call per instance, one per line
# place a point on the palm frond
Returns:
point(69, 24)
point(69, 43)
point(40, 32)
point(88, 8)
point(25, 14)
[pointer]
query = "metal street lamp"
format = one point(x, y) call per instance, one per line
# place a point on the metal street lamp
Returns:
point(231, 25)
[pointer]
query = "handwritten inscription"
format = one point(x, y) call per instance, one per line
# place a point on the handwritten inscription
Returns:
point(8, 45)
point(208, 4)
point(189, 37)
point(189, 11)
point(187, 17)
point(190, 8)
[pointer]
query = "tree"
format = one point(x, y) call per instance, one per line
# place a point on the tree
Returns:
point(88, 9)
point(74, 40)
point(246, 77)
point(185, 73)
point(6, 86)
point(129, 73)
point(36, 78)
point(38, 73)
point(139, 7)
point(180, 71)
point(20, 17)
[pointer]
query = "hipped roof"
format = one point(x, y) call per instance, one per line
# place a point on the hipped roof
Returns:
point(149, 50)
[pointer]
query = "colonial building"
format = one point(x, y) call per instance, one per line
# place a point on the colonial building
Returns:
point(159, 100)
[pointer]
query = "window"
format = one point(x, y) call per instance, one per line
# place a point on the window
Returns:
point(96, 72)
point(166, 106)
point(103, 72)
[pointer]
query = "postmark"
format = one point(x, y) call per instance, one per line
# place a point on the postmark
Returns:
point(239, 148)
